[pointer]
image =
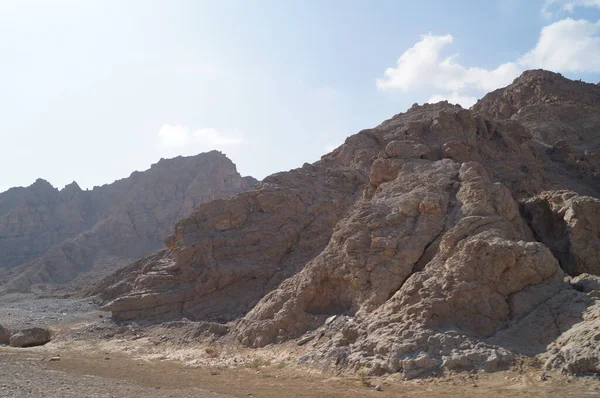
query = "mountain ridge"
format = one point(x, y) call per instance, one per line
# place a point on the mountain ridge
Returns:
point(442, 239)
point(36, 219)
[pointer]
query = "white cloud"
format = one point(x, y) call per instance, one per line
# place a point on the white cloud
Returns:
point(553, 7)
point(214, 137)
point(178, 135)
point(564, 46)
point(173, 135)
point(421, 65)
point(453, 98)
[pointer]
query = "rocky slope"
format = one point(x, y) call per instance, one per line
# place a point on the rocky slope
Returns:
point(442, 239)
point(49, 236)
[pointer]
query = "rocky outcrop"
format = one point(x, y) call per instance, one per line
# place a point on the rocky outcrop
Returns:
point(552, 107)
point(442, 239)
point(52, 236)
point(569, 225)
point(577, 349)
point(30, 337)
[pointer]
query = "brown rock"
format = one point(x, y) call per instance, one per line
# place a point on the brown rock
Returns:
point(30, 337)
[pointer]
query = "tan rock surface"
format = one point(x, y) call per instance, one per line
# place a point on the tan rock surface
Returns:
point(410, 233)
point(569, 224)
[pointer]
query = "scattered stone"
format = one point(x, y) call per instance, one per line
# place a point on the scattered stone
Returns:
point(378, 387)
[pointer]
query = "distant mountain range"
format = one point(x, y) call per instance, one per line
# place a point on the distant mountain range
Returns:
point(50, 236)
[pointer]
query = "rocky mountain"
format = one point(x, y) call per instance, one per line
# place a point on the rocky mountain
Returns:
point(442, 239)
point(51, 236)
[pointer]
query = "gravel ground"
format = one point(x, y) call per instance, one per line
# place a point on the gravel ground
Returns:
point(103, 358)
point(18, 311)
point(29, 377)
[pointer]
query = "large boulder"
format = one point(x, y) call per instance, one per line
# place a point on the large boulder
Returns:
point(30, 337)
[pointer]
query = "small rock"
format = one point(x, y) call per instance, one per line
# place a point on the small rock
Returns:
point(306, 339)
point(56, 358)
point(378, 387)
point(330, 319)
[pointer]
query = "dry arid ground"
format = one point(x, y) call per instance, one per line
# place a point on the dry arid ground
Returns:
point(99, 358)
point(87, 373)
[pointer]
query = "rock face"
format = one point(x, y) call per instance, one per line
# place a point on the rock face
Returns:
point(30, 337)
point(551, 107)
point(52, 236)
point(444, 238)
point(569, 225)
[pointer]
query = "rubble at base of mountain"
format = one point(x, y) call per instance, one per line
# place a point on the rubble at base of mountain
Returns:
point(443, 239)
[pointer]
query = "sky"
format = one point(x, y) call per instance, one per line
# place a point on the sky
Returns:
point(93, 90)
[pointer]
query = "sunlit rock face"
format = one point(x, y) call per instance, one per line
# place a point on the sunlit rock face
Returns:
point(442, 239)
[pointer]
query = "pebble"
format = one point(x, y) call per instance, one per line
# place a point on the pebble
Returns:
point(378, 387)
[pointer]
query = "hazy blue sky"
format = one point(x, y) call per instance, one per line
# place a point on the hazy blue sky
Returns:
point(92, 90)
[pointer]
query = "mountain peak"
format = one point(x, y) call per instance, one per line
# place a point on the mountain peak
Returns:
point(537, 87)
point(551, 106)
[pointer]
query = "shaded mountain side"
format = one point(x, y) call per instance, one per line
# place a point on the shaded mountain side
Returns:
point(442, 239)
point(49, 236)
point(552, 108)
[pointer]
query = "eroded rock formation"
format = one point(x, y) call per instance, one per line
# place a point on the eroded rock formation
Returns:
point(444, 238)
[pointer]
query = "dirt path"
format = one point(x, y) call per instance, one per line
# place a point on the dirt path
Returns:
point(29, 373)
